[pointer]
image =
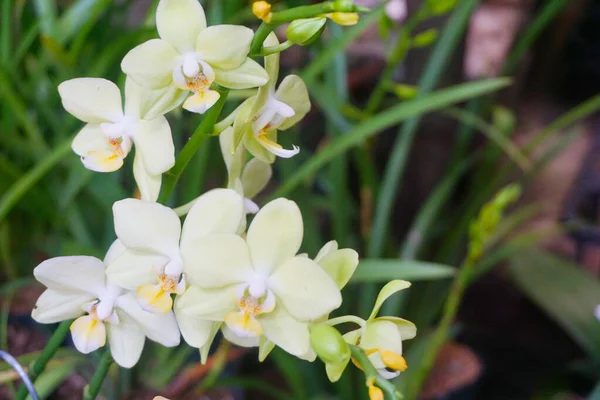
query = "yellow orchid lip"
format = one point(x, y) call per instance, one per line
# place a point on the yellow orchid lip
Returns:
point(157, 297)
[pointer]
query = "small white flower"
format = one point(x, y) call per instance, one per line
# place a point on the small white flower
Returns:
point(261, 290)
point(111, 130)
point(77, 288)
point(262, 116)
point(191, 56)
point(155, 241)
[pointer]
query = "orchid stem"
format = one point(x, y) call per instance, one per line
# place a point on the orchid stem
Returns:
point(371, 374)
point(37, 367)
point(281, 17)
point(203, 131)
point(92, 389)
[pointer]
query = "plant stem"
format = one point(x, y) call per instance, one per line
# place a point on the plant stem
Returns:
point(441, 333)
point(371, 373)
point(203, 131)
point(281, 17)
point(395, 57)
point(92, 389)
point(276, 49)
point(37, 367)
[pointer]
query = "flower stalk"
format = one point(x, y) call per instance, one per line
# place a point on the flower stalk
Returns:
point(281, 17)
point(37, 367)
point(92, 389)
point(202, 132)
point(371, 374)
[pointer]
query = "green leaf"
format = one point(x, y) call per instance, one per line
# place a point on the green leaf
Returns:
point(382, 270)
point(51, 378)
point(564, 291)
point(422, 105)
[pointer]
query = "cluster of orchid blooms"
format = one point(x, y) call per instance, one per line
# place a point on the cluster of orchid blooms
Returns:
point(162, 279)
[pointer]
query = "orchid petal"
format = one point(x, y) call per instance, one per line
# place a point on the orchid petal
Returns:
point(275, 234)
point(133, 269)
point(92, 100)
point(255, 177)
point(200, 102)
point(211, 305)
point(147, 104)
point(179, 22)
point(146, 226)
point(151, 64)
point(256, 148)
point(90, 138)
point(306, 291)
point(148, 185)
point(215, 212)
point(224, 46)
point(195, 331)
point(248, 75)
point(327, 249)
point(340, 265)
point(216, 261)
point(126, 340)
point(293, 92)
point(55, 306)
point(88, 334)
point(161, 328)
point(75, 274)
point(153, 139)
point(286, 332)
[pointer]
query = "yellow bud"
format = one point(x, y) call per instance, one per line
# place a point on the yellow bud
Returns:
point(343, 18)
point(393, 360)
point(262, 10)
point(374, 392)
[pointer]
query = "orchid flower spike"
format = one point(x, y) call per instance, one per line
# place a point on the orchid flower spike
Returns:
point(262, 116)
point(248, 179)
point(158, 247)
point(110, 132)
point(258, 288)
point(77, 288)
point(191, 56)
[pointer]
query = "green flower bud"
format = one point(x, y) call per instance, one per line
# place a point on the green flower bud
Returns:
point(305, 31)
point(329, 344)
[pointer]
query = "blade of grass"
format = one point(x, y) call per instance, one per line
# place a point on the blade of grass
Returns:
point(493, 134)
point(384, 270)
point(444, 48)
point(46, 13)
point(390, 117)
point(533, 31)
point(23, 185)
point(5, 33)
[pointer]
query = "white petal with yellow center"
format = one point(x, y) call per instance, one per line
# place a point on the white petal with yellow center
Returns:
point(88, 334)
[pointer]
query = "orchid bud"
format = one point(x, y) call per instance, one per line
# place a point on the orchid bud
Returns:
point(305, 31)
point(329, 344)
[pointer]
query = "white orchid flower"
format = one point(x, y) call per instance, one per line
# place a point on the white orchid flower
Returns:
point(191, 56)
point(248, 179)
point(261, 116)
point(258, 287)
point(380, 337)
point(156, 242)
point(111, 130)
point(77, 288)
